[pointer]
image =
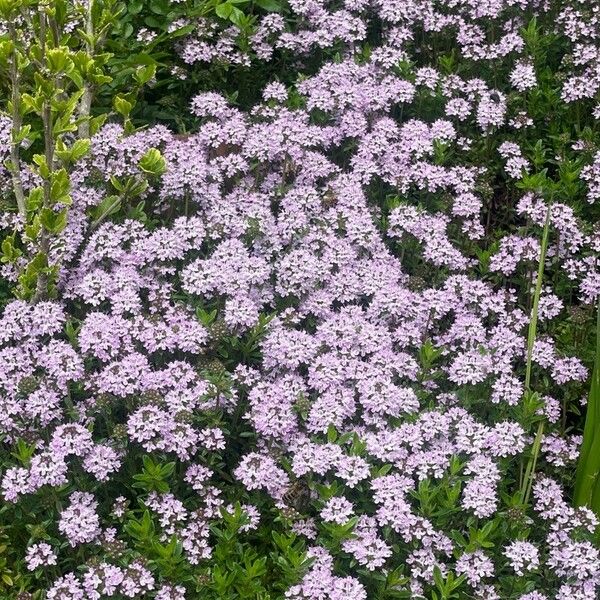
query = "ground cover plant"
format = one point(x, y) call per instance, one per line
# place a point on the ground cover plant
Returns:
point(299, 299)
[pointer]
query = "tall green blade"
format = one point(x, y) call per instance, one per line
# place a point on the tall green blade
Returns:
point(587, 488)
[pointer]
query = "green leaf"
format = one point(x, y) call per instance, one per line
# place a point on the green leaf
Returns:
point(384, 470)
point(23, 452)
point(33, 230)
point(144, 74)
point(135, 7)
point(438, 578)
point(238, 18)
point(153, 163)
point(151, 21)
point(79, 149)
point(54, 222)
point(137, 188)
point(40, 161)
point(72, 333)
point(331, 434)
point(127, 30)
point(31, 103)
point(59, 186)
point(59, 61)
point(35, 199)
point(587, 492)
point(224, 10)
point(9, 252)
point(122, 106)
point(159, 7)
point(75, 76)
point(96, 123)
point(116, 184)
point(22, 134)
point(109, 206)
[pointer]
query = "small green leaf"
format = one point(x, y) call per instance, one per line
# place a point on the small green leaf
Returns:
point(122, 106)
point(59, 61)
point(79, 149)
point(331, 434)
point(60, 185)
point(153, 163)
point(54, 222)
point(109, 206)
point(35, 199)
point(144, 74)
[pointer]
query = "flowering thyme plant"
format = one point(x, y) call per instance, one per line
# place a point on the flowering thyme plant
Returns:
point(329, 342)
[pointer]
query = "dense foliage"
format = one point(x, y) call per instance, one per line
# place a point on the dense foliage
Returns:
point(299, 299)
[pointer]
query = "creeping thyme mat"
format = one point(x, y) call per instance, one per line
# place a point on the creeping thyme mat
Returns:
point(299, 299)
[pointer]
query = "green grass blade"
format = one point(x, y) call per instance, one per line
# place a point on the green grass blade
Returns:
point(588, 466)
